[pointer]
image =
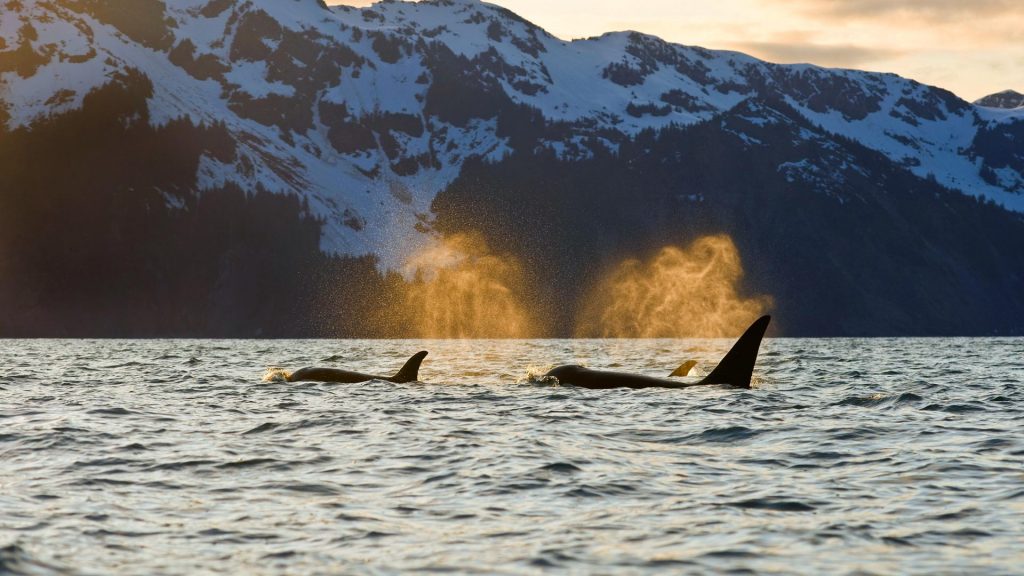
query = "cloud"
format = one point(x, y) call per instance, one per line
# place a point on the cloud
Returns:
point(841, 55)
point(931, 10)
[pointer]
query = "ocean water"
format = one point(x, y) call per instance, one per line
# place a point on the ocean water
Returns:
point(876, 456)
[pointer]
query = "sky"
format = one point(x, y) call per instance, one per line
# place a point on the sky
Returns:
point(971, 47)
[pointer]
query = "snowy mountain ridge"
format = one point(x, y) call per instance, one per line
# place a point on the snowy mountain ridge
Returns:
point(1006, 100)
point(369, 113)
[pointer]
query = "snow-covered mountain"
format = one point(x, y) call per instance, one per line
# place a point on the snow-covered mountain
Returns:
point(1006, 100)
point(368, 113)
point(256, 167)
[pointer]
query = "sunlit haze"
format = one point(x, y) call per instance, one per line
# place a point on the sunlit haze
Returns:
point(678, 294)
point(460, 289)
point(973, 48)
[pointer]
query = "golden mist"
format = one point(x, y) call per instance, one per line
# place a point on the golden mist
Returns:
point(680, 293)
point(458, 288)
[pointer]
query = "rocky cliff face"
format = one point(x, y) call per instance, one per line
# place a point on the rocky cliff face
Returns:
point(382, 124)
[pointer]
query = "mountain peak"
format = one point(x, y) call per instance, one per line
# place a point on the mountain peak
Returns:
point(1007, 99)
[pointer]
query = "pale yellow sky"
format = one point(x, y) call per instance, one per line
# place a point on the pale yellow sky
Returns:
point(972, 47)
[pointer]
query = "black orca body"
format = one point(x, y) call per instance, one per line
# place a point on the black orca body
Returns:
point(735, 369)
point(408, 373)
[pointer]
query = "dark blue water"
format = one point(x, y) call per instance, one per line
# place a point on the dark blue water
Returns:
point(173, 457)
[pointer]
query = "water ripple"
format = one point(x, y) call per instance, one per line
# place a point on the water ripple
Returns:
point(171, 457)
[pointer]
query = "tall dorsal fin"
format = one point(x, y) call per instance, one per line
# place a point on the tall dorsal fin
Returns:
point(737, 367)
point(410, 372)
point(684, 368)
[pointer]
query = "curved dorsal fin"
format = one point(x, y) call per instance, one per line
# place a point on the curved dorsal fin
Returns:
point(410, 372)
point(738, 365)
point(684, 368)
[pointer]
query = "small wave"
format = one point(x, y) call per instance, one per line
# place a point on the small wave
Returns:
point(247, 463)
point(730, 434)
point(280, 555)
point(440, 477)
point(561, 468)
point(879, 400)
point(853, 434)
point(15, 561)
point(305, 488)
point(133, 447)
point(873, 400)
point(368, 535)
point(130, 364)
point(103, 532)
point(730, 554)
point(896, 541)
point(667, 563)
point(994, 444)
point(602, 491)
point(212, 532)
point(958, 515)
point(106, 462)
point(908, 397)
point(1018, 495)
point(180, 465)
point(537, 375)
point(265, 427)
point(276, 375)
point(110, 411)
point(819, 455)
point(965, 533)
point(954, 408)
point(773, 504)
point(557, 396)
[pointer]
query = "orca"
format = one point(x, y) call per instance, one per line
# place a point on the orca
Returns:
point(735, 369)
point(408, 373)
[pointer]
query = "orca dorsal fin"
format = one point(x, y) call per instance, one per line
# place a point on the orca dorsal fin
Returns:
point(737, 367)
point(684, 369)
point(410, 372)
